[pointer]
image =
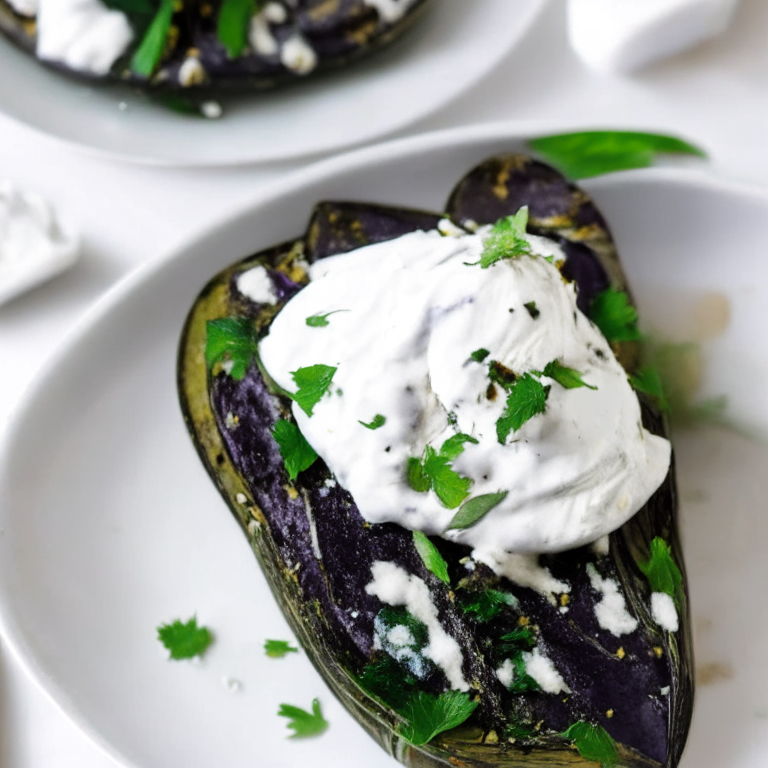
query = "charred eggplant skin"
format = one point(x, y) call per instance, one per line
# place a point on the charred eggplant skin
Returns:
point(339, 32)
point(316, 549)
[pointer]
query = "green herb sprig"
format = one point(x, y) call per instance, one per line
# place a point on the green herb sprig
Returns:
point(313, 382)
point(507, 239)
point(297, 453)
point(593, 743)
point(431, 557)
point(184, 640)
point(434, 472)
point(231, 339)
point(278, 649)
point(304, 724)
point(662, 571)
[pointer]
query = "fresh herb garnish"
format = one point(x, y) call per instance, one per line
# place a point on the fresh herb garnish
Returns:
point(152, 45)
point(616, 318)
point(389, 681)
point(661, 570)
point(313, 382)
point(533, 310)
point(507, 239)
point(277, 649)
point(521, 681)
point(184, 641)
point(320, 321)
point(486, 604)
point(593, 743)
point(378, 421)
point(566, 377)
point(297, 453)
point(519, 639)
point(431, 557)
point(527, 398)
point(501, 375)
point(592, 153)
point(519, 731)
point(475, 509)
point(234, 23)
point(435, 472)
point(232, 339)
point(392, 616)
point(648, 381)
point(304, 723)
point(430, 715)
point(479, 355)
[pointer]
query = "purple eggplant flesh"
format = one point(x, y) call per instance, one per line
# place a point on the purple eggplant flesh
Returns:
point(316, 550)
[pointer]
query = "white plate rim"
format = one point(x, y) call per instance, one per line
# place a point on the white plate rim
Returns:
point(10, 632)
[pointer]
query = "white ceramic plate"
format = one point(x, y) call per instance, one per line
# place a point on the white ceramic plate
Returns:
point(450, 50)
point(109, 525)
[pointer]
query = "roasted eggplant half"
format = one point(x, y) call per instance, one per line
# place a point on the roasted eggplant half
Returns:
point(627, 699)
point(204, 46)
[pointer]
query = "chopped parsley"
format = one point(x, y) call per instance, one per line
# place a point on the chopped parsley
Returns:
point(434, 472)
point(533, 310)
point(231, 340)
point(297, 453)
point(616, 318)
point(377, 421)
point(487, 604)
point(527, 398)
point(592, 153)
point(430, 715)
point(648, 381)
point(277, 649)
point(475, 509)
point(320, 321)
point(431, 557)
point(184, 641)
point(507, 239)
point(566, 377)
point(389, 681)
point(152, 45)
point(313, 382)
point(303, 723)
point(661, 570)
point(593, 743)
point(479, 355)
point(234, 23)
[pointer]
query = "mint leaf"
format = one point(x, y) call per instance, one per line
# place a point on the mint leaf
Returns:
point(486, 604)
point(454, 445)
point(152, 45)
point(592, 153)
point(527, 398)
point(451, 488)
point(479, 355)
point(303, 723)
point(475, 509)
point(297, 453)
point(593, 743)
point(616, 318)
point(430, 715)
point(566, 377)
point(233, 339)
point(507, 239)
point(431, 557)
point(417, 477)
point(378, 421)
point(277, 649)
point(313, 382)
point(661, 570)
point(184, 641)
point(320, 321)
point(233, 25)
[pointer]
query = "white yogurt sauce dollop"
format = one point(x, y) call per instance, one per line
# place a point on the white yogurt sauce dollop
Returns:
point(414, 312)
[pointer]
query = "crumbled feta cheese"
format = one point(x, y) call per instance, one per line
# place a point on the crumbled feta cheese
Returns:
point(664, 611)
point(611, 612)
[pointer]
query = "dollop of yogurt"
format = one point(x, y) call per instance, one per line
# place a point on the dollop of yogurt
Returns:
point(408, 315)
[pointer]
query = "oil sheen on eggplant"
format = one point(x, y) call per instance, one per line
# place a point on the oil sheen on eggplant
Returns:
point(317, 551)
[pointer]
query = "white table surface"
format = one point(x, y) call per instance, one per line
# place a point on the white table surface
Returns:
point(716, 95)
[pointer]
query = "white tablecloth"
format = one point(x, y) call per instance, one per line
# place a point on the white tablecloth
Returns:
point(716, 95)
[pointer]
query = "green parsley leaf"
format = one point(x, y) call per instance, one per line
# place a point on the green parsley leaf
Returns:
point(479, 355)
point(417, 477)
point(277, 649)
point(297, 453)
point(430, 715)
point(304, 723)
point(661, 570)
point(233, 25)
point(648, 381)
point(566, 377)
point(389, 681)
point(233, 339)
point(320, 321)
point(616, 318)
point(378, 421)
point(507, 239)
point(486, 604)
point(313, 382)
point(431, 557)
point(475, 509)
point(592, 153)
point(454, 445)
point(533, 310)
point(184, 641)
point(522, 682)
point(593, 743)
point(519, 639)
point(527, 398)
point(451, 488)
point(152, 45)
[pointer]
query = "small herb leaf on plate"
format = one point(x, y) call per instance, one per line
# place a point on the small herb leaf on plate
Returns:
point(184, 641)
point(430, 715)
point(303, 723)
point(661, 570)
point(313, 382)
point(527, 398)
point(566, 377)
point(377, 421)
point(507, 239)
point(297, 453)
point(320, 321)
point(231, 339)
point(431, 557)
point(475, 509)
point(278, 649)
point(593, 743)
